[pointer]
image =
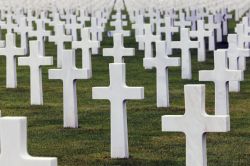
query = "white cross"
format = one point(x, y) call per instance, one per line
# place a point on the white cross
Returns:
point(73, 26)
point(119, 28)
point(56, 20)
point(44, 17)
point(211, 26)
point(246, 23)
point(118, 51)
point(195, 123)
point(242, 40)
point(83, 18)
point(194, 17)
point(66, 18)
point(139, 30)
point(218, 18)
point(31, 19)
point(10, 51)
point(118, 93)
point(161, 62)
point(86, 44)
point(13, 136)
point(159, 29)
point(234, 53)
point(182, 23)
point(119, 15)
point(226, 17)
point(96, 30)
point(201, 33)
point(101, 19)
point(221, 75)
point(59, 39)
point(23, 30)
point(185, 44)
point(9, 25)
point(40, 33)
point(96, 33)
point(35, 61)
point(148, 39)
point(169, 29)
point(69, 74)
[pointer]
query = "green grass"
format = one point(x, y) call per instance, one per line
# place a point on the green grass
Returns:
point(90, 144)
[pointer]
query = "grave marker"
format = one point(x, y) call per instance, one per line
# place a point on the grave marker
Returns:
point(35, 61)
point(86, 44)
point(185, 44)
point(69, 74)
point(118, 93)
point(221, 75)
point(10, 51)
point(13, 136)
point(161, 62)
point(195, 123)
point(118, 51)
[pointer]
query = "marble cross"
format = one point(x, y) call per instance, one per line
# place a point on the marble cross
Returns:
point(96, 33)
point(69, 74)
point(211, 26)
point(86, 44)
point(31, 18)
point(200, 34)
point(35, 61)
point(195, 123)
point(226, 17)
point(118, 51)
point(101, 19)
point(83, 17)
point(185, 44)
point(119, 15)
point(194, 17)
point(73, 27)
point(168, 30)
point(9, 25)
point(218, 18)
point(242, 40)
point(119, 28)
point(10, 51)
point(59, 39)
point(56, 20)
point(234, 53)
point(44, 17)
point(182, 23)
point(161, 62)
point(246, 23)
point(139, 30)
point(221, 75)
point(40, 33)
point(118, 93)
point(148, 39)
point(23, 30)
point(13, 136)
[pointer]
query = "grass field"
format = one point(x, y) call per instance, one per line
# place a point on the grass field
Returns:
point(90, 144)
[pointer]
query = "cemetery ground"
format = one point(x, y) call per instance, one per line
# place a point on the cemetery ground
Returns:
point(148, 145)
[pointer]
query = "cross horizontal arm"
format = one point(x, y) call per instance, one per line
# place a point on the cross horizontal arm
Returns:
point(81, 74)
point(134, 93)
point(173, 123)
point(101, 93)
point(55, 74)
point(219, 122)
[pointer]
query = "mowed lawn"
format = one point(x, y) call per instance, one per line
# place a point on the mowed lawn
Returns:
point(148, 145)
